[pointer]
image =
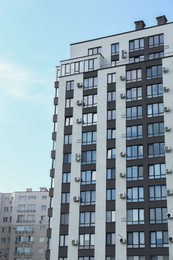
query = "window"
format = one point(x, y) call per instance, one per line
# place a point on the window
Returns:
point(90, 119)
point(86, 241)
point(5, 209)
point(88, 177)
point(134, 94)
point(155, 110)
point(156, 40)
point(90, 64)
point(88, 157)
point(157, 192)
point(41, 239)
point(156, 150)
point(134, 132)
point(86, 258)
point(155, 90)
point(90, 83)
point(110, 216)
point(134, 75)
point(156, 55)
point(136, 59)
point(134, 112)
point(135, 240)
point(90, 101)
point(135, 173)
point(95, 50)
point(76, 67)
point(135, 216)
point(64, 219)
point(110, 194)
point(68, 139)
point(65, 198)
point(87, 197)
point(160, 257)
point(68, 121)
point(157, 171)
point(158, 215)
point(89, 138)
point(111, 153)
point(111, 114)
point(41, 250)
point(110, 173)
point(69, 102)
point(110, 239)
point(135, 194)
point(87, 219)
point(154, 72)
point(155, 129)
point(3, 240)
point(44, 197)
point(159, 239)
point(136, 257)
point(67, 158)
point(65, 69)
point(66, 177)
point(43, 207)
point(32, 197)
point(137, 44)
point(111, 96)
point(111, 78)
point(110, 257)
point(134, 152)
point(111, 134)
point(63, 241)
point(20, 218)
point(42, 228)
point(114, 48)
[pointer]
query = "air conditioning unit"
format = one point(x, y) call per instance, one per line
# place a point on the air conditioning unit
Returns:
point(166, 109)
point(168, 171)
point(79, 102)
point(169, 192)
point(169, 215)
point(77, 179)
point(122, 240)
point(123, 154)
point(77, 158)
point(122, 175)
point(74, 242)
point(167, 128)
point(79, 120)
point(124, 54)
point(165, 70)
point(122, 78)
point(122, 96)
point(79, 85)
point(171, 239)
point(167, 149)
point(123, 195)
point(166, 89)
point(76, 198)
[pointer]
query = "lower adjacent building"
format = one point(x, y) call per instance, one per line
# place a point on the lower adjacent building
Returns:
point(23, 225)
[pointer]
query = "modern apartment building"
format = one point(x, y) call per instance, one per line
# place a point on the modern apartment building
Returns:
point(112, 158)
point(23, 225)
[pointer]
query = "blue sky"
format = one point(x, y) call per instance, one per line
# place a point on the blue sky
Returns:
point(35, 35)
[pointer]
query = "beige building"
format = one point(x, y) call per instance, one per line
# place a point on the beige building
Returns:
point(23, 224)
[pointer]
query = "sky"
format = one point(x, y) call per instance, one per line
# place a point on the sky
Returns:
point(34, 36)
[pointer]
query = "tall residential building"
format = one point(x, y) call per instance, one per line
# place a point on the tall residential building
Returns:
point(23, 225)
point(112, 158)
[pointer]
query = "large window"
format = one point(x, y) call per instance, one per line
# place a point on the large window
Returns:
point(65, 197)
point(68, 139)
point(110, 239)
point(158, 215)
point(88, 177)
point(135, 240)
point(110, 194)
point(134, 132)
point(111, 134)
point(67, 158)
point(86, 258)
point(63, 241)
point(115, 48)
point(157, 171)
point(76, 67)
point(155, 90)
point(110, 173)
point(135, 173)
point(155, 110)
point(111, 153)
point(154, 72)
point(155, 129)
point(87, 219)
point(89, 157)
point(160, 257)
point(156, 55)
point(87, 197)
point(89, 137)
point(64, 219)
point(156, 40)
point(89, 119)
point(134, 75)
point(69, 103)
point(90, 83)
point(90, 100)
point(137, 44)
point(134, 152)
point(111, 114)
point(134, 94)
point(95, 50)
point(157, 192)
point(66, 177)
point(136, 257)
point(90, 64)
point(156, 150)
point(68, 121)
point(136, 59)
point(111, 96)
point(134, 112)
point(135, 216)
point(86, 241)
point(111, 78)
point(159, 239)
point(110, 216)
point(135, 194)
